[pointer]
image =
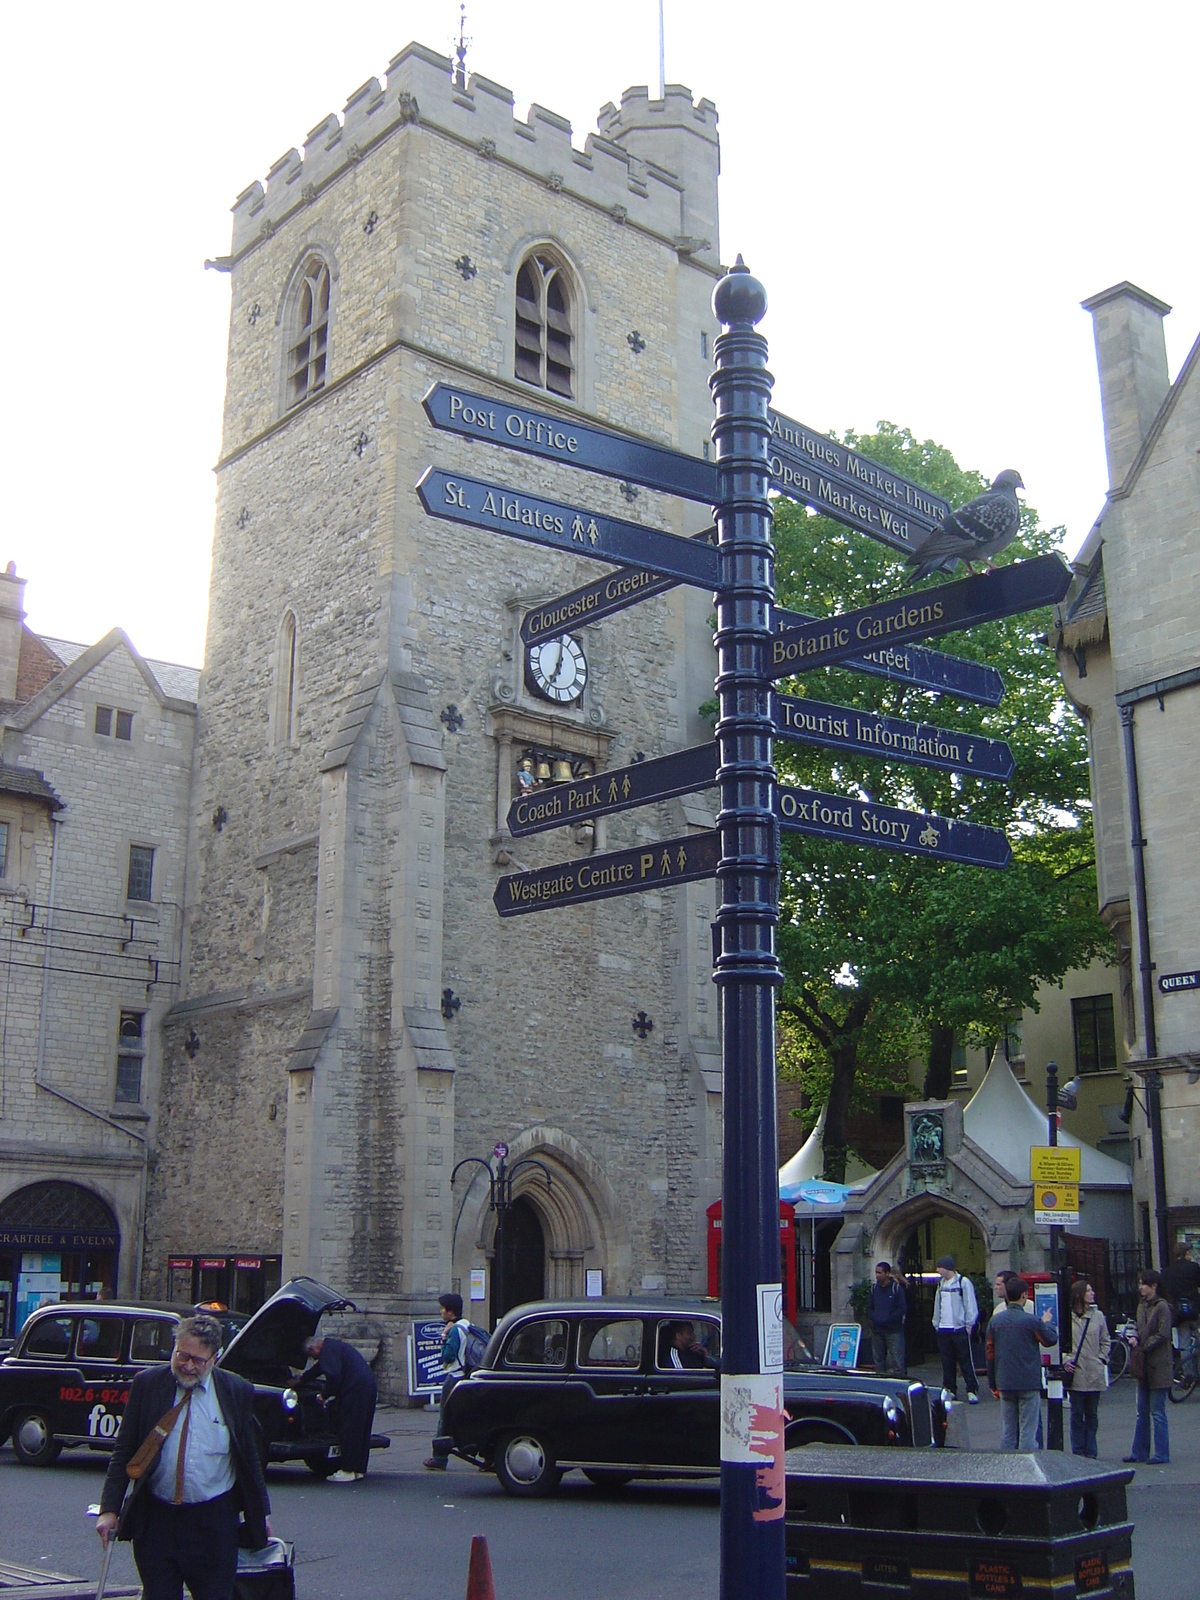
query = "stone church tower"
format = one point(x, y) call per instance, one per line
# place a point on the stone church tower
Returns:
point(355, 1018)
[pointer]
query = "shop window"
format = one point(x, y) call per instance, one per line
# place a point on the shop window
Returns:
point(131, 1050)
point(141, 872)
point(1095, 1035)
point(543, 351)
point(610, 1344)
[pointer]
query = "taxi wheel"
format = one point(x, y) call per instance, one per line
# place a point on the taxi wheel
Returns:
point(33, 1441)
point(526, 1466)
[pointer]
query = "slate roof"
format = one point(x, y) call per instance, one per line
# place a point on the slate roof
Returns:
point(29, 784)
point(176, 681)
point(307, 1047)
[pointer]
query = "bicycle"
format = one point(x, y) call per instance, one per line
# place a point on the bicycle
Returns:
point(1118, 1356)
point(1186, 1372)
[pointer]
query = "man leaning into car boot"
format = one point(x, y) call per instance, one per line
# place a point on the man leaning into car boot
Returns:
point(349, 1381)
point(452, 1370)
point(185, 1463)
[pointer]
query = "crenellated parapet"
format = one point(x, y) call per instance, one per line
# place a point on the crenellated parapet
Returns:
point(625, 169)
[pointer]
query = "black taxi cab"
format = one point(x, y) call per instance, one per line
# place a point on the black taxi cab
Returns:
point(66, 1381)
point(624, 1389)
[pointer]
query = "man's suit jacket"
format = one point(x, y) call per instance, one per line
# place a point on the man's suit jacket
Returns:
point(150, 1398)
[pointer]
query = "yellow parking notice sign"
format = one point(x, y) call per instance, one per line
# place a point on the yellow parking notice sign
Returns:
point(1056, 1203)
point(1053, 1164)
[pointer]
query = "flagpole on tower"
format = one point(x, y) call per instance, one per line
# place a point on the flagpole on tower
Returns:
point(662, 55)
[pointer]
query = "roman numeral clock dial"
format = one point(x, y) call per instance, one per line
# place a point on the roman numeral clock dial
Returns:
point(556, 669)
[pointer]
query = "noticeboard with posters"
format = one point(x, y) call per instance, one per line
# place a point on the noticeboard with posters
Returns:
point(841, 1344)
point(425, 1358)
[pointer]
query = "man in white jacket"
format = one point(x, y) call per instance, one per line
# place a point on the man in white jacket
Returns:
point(955, 1313)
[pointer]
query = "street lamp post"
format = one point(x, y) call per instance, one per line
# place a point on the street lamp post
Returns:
point(1054, 1424)
point(500, 1199)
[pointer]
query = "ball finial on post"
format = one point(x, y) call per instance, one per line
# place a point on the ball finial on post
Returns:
point(739, 297)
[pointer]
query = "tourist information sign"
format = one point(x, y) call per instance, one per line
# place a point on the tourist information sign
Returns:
point(867, 733)
point(646, 866)
point(574, 443)
point(919, 833)
point(640, 784)
point(923, 669)
point(456, 498)
point(923, 614)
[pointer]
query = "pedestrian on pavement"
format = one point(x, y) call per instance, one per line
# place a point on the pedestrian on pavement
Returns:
point(453, 1345)
point(1151, 1362)
point(1087, 1362)
point(349, 1381)
point(1014, 1366)
point(889, 1306)
point(955, 1313)
point(1181, 1284)
point(185, 1463)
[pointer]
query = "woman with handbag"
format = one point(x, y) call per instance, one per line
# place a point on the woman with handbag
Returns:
point(1086, 1368)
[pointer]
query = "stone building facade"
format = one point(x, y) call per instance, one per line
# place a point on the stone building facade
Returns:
point(95, 771)
point(1128, 641)
point(364, 1020)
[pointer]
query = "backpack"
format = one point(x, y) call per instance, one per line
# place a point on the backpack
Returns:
point(474, 1343)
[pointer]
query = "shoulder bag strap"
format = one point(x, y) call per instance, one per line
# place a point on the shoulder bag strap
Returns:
point(146, 1453)
point(1083, 1335)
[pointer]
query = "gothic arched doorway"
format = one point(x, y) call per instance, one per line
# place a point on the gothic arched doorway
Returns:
point(519, 1273)
point(58, 1241)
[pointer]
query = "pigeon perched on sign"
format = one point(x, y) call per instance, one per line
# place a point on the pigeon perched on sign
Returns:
point(975, 532)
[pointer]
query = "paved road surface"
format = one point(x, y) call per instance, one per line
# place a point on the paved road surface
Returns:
point(405, 1534)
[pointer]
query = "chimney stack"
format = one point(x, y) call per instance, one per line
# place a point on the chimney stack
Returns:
point(1131, 353)
point(12, 618)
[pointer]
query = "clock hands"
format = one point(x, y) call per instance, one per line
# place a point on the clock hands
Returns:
point(551, 676)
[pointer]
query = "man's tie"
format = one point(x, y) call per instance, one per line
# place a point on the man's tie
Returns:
point(183, 1433)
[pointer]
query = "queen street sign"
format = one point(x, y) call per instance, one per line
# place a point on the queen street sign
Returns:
point(568, 528)
point(923, 614)
point(664, 777)
point(574, 443)
point(867, 733)
point(834, 816)
point(648, 866)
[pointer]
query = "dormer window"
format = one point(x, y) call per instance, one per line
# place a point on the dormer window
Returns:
point(544, 353)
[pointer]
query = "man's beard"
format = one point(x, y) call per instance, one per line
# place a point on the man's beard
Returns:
point(185, 1380)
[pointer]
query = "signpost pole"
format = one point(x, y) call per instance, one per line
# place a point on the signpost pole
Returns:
point(1054, 1421)
point(747, 969)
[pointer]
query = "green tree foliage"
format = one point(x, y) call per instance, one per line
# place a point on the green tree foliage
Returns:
point(882, 950)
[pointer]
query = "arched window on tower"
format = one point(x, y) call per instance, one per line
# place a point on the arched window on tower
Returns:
point(284, 721)
point(308, 333)
point(544, 354)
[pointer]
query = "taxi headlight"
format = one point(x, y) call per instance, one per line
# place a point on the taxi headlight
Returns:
point(291, 1400)
point(891, 1410)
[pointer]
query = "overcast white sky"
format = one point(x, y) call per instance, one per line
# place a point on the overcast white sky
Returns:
point(927, 190)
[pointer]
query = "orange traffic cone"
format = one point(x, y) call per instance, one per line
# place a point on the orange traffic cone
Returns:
point(479, 1573)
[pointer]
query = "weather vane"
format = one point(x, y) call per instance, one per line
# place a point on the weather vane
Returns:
point(460, 50)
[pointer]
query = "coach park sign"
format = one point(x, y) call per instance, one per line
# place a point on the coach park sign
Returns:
point(758, 451)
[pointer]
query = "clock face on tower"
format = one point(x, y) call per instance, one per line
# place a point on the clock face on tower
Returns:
point(556, 669)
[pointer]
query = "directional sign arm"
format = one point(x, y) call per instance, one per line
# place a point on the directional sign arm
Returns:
point(918, 833)
point(924, 669)
point(922, 614)
point(574, 443)
point(867, 733)
point(627, 586)
point(649, 866)
point(476, 504)
point(640, 784)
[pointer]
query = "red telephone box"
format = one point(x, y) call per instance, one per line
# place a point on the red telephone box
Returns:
point(787, 1254)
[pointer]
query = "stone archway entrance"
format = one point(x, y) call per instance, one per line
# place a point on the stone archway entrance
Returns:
point(521, 1275)
point(58, 1241)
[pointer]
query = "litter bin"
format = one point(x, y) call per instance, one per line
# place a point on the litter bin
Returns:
point(876, 1522)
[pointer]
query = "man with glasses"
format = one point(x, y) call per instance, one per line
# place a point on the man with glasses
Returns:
point(186, 1463)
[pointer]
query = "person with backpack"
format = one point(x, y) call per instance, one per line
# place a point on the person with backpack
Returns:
point(455, 1365)
point(349, 1381)
point(955, 1313)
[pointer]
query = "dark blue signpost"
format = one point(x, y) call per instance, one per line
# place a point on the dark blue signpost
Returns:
point(755, 450)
